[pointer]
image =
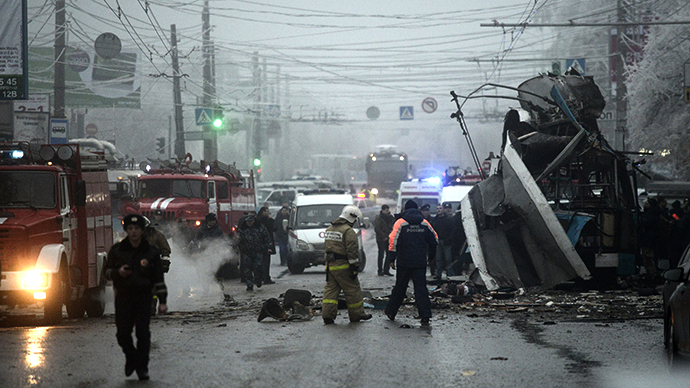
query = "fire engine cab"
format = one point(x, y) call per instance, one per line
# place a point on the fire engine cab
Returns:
point(55, 228)
point(193, 190)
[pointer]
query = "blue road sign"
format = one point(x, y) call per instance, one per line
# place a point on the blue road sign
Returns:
point(406, 113)
point(578, 64)
point(204, 116)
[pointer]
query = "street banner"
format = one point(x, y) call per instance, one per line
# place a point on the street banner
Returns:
point(13, 51)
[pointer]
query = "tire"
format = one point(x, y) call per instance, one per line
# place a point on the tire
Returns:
point(293, 267)
point(94, 302)
point(75, 308)
point(362, 261)
point(55, 296)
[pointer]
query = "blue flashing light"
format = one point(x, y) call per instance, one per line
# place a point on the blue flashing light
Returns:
point(17, 154)
point(435, 180)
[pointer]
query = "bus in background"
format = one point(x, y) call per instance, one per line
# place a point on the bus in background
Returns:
point(386, 169)
point(341, 169)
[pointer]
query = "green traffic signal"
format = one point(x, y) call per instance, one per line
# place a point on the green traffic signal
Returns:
point(257, 162)
point(217, 123)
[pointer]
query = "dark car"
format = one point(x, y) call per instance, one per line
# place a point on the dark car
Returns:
point(676, 293)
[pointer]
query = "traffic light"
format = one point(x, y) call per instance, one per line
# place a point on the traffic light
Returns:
point(556, 68)
point(160, 144)
point(257, 162)
point(218, 118)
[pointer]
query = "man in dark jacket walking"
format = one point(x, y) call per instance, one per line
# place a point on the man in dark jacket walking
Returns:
point(281, 234)
point(443, 225)
point(134, 266)
point(254, 241)
point(383, 225)
point(209, 230)
point(267, 221)
point(411, 240)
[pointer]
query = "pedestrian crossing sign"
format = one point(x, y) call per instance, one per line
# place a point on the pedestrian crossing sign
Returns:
point(406, 113)
point(203, 116)
point(577, 64)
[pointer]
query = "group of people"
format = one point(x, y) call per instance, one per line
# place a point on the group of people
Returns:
point(407, 243)
point(450, 233)
point(136, 265)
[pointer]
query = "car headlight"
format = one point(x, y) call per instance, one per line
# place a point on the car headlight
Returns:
point(303, 245)
point(34, 279)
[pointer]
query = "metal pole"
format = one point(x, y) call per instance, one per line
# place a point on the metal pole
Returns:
point(209, 92)
point(177, 97)
point(621, 104)
point(59, 78)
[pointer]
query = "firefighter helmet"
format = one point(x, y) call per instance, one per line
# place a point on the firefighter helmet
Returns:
point(351, 213)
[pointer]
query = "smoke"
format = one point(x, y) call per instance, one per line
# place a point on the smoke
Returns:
point(191, 280)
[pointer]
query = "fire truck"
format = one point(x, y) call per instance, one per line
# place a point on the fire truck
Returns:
point(191, 190)
point(55, 228)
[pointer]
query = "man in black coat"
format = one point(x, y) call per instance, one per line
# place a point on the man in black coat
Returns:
point(383, 225)
point(410, 242)
point(135, 268)
point(268, 222)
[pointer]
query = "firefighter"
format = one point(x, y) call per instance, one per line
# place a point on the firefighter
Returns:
point(342, 264)
point(135, 268)
point(158, 240)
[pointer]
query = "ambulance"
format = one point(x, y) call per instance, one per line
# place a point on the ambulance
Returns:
point(423, 191)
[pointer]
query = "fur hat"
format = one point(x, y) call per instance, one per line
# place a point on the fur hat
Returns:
point(134, 219)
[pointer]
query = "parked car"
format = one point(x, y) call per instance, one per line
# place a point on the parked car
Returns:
point(368, 207)
point(676, 294)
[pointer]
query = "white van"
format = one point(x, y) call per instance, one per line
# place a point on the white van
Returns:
point(311, 213)
point(422, 191)
point(276, 194)
point(455, 194)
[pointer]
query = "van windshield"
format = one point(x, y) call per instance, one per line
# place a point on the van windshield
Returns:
point(317, 216)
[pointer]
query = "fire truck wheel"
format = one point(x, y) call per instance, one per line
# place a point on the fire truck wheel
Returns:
point(362, 261)
point(52, 307)
point(75, 308)
point(95, 302)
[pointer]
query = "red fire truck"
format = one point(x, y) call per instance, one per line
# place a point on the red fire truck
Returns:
point(192, 190)
point(55, 228)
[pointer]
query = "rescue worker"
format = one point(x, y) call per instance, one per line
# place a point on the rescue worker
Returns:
point(383, 225)
point(160, 223)
point(183, 234)
point(158, 240)
point(135, 268)
point(253, 241)
point(342, 265)
point(281, 234)
point(269, 223)
point(208, 230)
point(412, 239)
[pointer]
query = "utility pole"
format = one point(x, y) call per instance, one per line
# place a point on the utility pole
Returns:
point(256, 128)
point(621, 90)
point(210, 138)
point(59, 78)
point(177, 97)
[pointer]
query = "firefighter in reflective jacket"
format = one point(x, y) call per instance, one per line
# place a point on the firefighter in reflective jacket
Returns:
point(342, 264)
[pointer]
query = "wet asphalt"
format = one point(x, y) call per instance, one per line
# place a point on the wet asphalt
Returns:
point(206, 342)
